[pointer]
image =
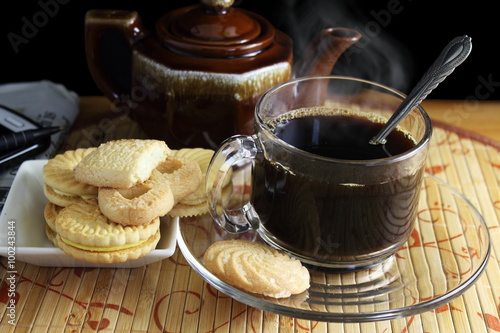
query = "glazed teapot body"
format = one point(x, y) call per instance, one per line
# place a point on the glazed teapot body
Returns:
point(192, 82)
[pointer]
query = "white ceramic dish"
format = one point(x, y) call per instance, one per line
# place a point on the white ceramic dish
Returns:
point(22, 215)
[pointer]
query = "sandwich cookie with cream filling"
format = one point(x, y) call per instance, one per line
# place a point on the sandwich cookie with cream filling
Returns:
point(61, 186)
point(84, 233)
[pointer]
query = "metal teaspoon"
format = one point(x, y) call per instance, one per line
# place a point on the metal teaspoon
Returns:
point(452, 55)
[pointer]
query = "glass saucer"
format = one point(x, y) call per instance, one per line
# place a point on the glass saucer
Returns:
point(445, 255)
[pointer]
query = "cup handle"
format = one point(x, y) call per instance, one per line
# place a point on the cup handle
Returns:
point(232, 151)
point(114, 24)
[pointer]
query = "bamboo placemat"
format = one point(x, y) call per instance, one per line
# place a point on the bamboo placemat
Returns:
point(168, 296)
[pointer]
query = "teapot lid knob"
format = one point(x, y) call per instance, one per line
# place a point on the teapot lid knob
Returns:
point(218, 6)
point(215, 29)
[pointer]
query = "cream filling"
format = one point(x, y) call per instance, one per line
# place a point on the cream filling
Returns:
point(63, 193)
point(85, 197)
point(102, 248)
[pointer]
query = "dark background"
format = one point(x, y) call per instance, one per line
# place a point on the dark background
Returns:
point(401, 39)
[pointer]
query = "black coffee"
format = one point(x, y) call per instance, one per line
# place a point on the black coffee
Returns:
point(341, 136)
point(331, 219)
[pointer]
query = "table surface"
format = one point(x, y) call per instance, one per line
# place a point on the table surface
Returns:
point(481, 117)
point(169, 296)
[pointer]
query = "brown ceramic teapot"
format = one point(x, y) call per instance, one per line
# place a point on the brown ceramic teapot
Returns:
point(195, 80)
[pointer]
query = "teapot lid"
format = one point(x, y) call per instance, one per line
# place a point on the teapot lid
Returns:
point(214, 29)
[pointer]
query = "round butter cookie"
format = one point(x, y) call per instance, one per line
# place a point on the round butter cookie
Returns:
point(109, 255)
point(181, 210)
point(184, 175)
point(201, 155)
point(84, 233)
point(51, 235)
point(198, 207)
point(195, 203)
point(61, 199)
point(50, 213)
point(257, 268)
point(139, 204)
point(59, 174)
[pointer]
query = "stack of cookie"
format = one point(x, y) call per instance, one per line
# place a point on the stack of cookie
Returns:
point(105, 203)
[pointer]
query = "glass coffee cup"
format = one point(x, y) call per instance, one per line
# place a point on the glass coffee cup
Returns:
point(319, 190)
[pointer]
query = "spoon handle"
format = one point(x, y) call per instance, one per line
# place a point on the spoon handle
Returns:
point(452, 55)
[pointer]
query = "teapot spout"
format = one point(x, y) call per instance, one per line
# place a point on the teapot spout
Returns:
point(324, 51)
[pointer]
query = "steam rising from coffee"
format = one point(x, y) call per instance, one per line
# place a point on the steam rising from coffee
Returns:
point(376, 57)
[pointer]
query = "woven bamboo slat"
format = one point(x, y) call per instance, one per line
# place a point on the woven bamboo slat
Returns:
point(169, 296)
